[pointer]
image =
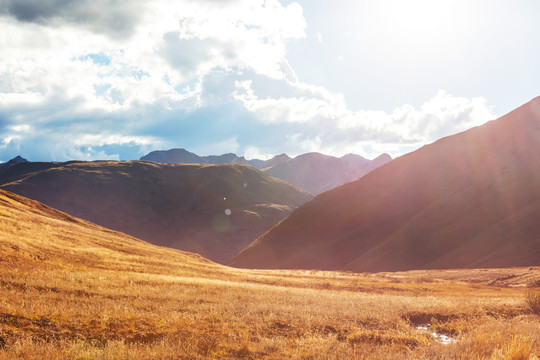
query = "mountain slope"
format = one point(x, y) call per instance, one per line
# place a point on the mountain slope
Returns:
point(214, 210)
point(467, 200)
point(317, 173)
point(31, 232)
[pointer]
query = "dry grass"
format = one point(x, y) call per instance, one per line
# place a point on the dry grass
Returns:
point(71, 290)
point(533, 301)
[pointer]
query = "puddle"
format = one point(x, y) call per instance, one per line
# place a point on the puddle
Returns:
point(438, 336)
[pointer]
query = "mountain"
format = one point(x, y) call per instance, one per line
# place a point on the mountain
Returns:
point(214, 210)
point(16, 160)
point(467, 200)
point(355, 159)
point(276, 160)
point(173, 156)
point(380, 160)
point(317, 173)
point(182, 156)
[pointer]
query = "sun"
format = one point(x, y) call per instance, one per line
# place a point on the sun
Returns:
point(419, 29)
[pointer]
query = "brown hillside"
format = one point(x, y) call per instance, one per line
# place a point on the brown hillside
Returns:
point(467, 200)
point(176, 205)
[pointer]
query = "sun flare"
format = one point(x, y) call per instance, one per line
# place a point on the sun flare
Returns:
point(419, 29)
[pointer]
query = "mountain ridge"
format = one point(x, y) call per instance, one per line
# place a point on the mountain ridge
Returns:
point(314, 172)
point(466, 200)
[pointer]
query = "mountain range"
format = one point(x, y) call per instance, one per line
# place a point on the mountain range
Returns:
point(182, 156)
point(318, 173)
point(213, 210)
point(313, 172)
point(469, 200)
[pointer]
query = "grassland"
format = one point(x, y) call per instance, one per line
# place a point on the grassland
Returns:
point(72, 290)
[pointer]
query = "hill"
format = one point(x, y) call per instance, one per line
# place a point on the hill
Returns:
point(213, 210)
point(33, 233)
point(467, 200)
point(70, 289)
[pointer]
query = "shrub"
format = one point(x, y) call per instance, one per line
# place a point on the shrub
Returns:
point(532, 299)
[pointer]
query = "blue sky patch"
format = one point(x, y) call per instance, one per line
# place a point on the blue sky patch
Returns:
point(99, 59)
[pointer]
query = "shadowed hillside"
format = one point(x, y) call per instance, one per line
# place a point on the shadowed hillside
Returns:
point(213, 210)
point(467, 200)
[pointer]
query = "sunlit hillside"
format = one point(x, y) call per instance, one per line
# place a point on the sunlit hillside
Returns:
point(72, 290)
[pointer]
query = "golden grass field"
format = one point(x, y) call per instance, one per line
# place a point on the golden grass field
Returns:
point(72, 290)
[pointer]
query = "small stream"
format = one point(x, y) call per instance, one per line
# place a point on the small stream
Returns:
point(438, 336)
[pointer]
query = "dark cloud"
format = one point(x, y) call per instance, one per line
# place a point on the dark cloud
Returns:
point(35, 10)
point(116, 19)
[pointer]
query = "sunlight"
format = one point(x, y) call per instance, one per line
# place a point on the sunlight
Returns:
point(419, 29)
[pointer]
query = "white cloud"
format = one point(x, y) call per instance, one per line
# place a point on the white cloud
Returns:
point(254, 152)
point(176, 40)
point(327, 125)
point(242, 34)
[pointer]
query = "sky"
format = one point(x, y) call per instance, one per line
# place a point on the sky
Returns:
point(116, 79)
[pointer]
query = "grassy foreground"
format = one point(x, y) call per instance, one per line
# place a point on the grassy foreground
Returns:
point(73, 290)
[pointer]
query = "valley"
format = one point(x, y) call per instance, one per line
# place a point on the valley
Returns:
point(73, 290)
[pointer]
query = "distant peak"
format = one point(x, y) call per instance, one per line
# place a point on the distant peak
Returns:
point(383, 156)
point(352, 156)
point(282, 156)
point(17, 159)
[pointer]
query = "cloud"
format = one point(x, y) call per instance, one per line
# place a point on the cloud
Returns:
point(185, 74)
point(117, 19)
point(235, 35)
point(325, 123)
